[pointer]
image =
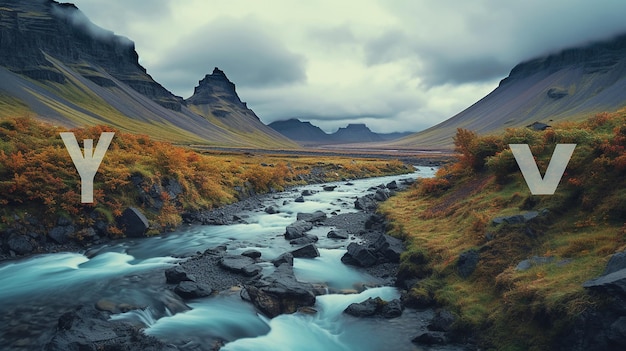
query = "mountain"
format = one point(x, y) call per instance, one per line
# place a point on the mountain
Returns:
point(58, 66)
point(308, 134)
point(570, 85)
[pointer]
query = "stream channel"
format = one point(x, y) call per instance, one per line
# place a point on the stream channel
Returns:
point(35, 291)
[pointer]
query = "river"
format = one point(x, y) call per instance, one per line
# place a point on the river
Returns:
point(35, 291)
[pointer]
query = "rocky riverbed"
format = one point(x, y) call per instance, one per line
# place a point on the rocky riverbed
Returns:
point(282, 263)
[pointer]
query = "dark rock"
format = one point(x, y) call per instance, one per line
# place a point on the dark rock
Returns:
point(177, 274)
point(467, 263)
point(19, 244)
point(329, 187)
point(306, 239)
point(388, 248)
point(271, 210)
point(61, 234)
point(192, 290)
point(299, 199)
point(431, 338)
point(308, 251)
point(616, 263)
point(365, 308)
point(375, 221)
point(617, 332)
point(365, 203)
point(392, 185)
point(516, 219)
point(442, 321)
point(364, 256)
point(612, 284)
point(133, 222)
point(314, 217)
point(307, 192)
point(297, 229)
point(338, 234)
point(392, 309)
point(280, 292)
point(284, 258)
point(63, 221)
point(254, 254)
point(240, 264)
point(381, 194)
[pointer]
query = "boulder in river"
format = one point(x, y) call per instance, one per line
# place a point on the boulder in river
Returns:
point(192, 290)
point(338, 234)
point(280, 292)
point(304, 240)
point(317, 216)
point(308, 251)
point(177, 274)
point(297, 229)
point(240, 264)
point(375, 307)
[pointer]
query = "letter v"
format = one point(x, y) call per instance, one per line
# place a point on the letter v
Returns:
point(87, 165)
point(548, 184)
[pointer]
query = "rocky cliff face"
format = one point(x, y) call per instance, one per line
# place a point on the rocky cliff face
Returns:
point(213, 87)
point(33, 33)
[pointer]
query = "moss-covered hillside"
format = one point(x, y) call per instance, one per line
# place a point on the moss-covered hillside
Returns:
point(459, 257)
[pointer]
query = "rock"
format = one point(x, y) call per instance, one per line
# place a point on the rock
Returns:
point(306, 239)
point(516, 219)
point(533, 261)
point(133, 222)
point(375, 307)
point(616, 262)
point(240, 264)
point(284, 258)
point(392, 309)
point(362, 255)
point(314, 217)
point(375, 221)
point(467, 263)
point(107, 306)
point(19, 244)
point(365, 203)
point(442, 321)
point(431, 338)
point(299, 199)
point(365, 308)
point(612, 283)
point(617, 332)
point(280, 292)
point(192, 290)
point(61, 234)
point(307, 192)
point(271, 210)
point(388, 248)
point(254, 254)
point(177, 274)
point(392, 185)
point(329, 187)
point(297, 229)
point(381, 194)
point(308, 251)
point(338, 234)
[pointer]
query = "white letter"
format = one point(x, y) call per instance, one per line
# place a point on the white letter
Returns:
point(88, 164)
point(546, 186)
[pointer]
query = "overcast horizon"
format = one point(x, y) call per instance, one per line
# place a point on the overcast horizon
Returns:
point(395, 65)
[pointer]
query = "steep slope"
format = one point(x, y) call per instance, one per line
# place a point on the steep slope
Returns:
point(216, 100)
point(57, 65)
point(569, 85)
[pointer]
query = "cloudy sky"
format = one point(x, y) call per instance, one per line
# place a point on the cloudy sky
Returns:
point(396, 65)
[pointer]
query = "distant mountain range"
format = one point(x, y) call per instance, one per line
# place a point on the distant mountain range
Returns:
point(58, 66)
point(570, 85)
point(308, 134)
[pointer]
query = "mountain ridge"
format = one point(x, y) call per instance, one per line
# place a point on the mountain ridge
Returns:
point(566, 86)
point(58, 66)
point(310, 135)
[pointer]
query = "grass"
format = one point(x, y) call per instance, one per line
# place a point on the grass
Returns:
point(444, 217)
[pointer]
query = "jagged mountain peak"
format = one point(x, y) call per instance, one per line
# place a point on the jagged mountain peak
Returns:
point(213, 87)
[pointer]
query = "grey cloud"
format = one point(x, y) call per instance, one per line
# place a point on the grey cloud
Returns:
point(241, 48)
point(119, 14)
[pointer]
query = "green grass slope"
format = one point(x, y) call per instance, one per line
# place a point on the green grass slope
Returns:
point(579, 228)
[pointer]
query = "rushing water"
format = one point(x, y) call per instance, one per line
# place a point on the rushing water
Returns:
point(37, 290)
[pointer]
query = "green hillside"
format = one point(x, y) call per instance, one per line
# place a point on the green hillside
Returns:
point(574, 233)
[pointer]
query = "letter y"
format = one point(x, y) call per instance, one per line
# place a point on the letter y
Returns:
point(88, 164)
